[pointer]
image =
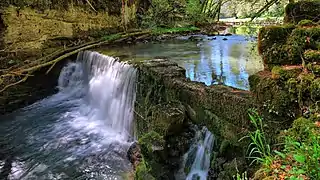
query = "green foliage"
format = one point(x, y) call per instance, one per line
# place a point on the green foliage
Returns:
point(150, 140)
point(111, 37)
point(194, 11)
point(157, 31)
point(300, 156)
point(161, 13)
point(306, 22)
point(259, 148)
point(142, 171)
point(243, 176)
point(312, 55)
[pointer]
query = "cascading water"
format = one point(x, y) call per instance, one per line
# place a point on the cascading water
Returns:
point(197, 160)
point(82, 132)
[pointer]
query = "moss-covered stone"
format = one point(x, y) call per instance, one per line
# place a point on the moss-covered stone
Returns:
point(302, 10)
point(313, 68)
point(30, 29)
point(143, 172)
point(312, 55)
point(167, 119)
point(315, 90)
point(307, 23)
point(272, 45)
point(271, 94)
point(300, 40)
point(301, 129)
point(286, 72)
point(162, 88)
point(151, 142)
point(270, 35)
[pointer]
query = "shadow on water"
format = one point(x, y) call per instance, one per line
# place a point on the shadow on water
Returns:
point(225, 60)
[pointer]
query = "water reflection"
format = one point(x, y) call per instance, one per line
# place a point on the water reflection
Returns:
point(208, 60)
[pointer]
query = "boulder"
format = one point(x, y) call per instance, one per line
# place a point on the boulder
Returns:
point(302, 10)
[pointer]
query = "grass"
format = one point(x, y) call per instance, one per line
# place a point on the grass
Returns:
point(112, 37)
point(299, 159)
point(158, 31)
point(259, 149)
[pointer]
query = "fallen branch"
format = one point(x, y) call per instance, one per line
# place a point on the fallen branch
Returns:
point(13, 84)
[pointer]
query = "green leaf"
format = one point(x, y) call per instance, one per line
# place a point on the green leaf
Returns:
point(280, 154)
point(293, 178)
point(300, 171)
point(299, 158)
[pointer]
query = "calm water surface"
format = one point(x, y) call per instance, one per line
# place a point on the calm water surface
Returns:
point(211, 60)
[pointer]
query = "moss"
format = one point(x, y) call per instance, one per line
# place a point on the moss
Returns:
point(272, 95)
point(113, 7)
point(301, 129)
point(302, 10)
point(315, 90)
point(167, 119)
point(306, 22)
point(270, 35)
point(31, 29)
point(300, 40)
point(312, 55)
point(151, 141)
point(292, 85)
point(314, 68)
point(143, 172)
point(112, 37)
point(158, 31)
point(285, 72)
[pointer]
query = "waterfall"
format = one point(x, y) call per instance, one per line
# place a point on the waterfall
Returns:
point(197, 160)
point(82, 132)
point(109, 87)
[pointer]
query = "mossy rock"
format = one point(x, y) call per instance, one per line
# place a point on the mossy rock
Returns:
point(314, 68)
point(302, 10)
point(272, 95)
point(300, 40)
point(271, 35)
point(312, 55)
point(307, 23)
point(232, 168)
point(142, 172)
point(113, 7)
point(286, 72)
point(151, 142)
point(167, 119)
point(301, 129)
point(305, 84)
point(315, 90)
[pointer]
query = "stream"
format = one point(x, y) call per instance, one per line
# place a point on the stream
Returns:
point(85, 130)
point(207, 59)
point(82, 132)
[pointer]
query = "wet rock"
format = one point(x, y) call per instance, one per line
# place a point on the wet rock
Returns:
point(212, 38)
point(134, 154)
point(225, 39)
point(167, 102)
point(227, 34)
point(195, 38)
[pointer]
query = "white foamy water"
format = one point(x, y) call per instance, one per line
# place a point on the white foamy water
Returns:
point(82, 132)
point(197, 160)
